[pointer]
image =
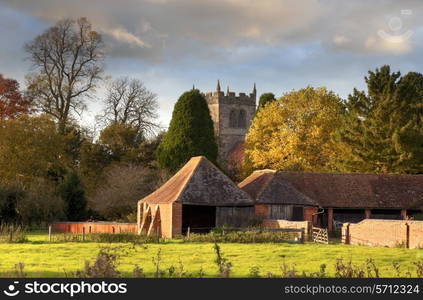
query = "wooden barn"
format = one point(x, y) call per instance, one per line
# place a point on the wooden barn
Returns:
point(199, 197)
point(328, 198)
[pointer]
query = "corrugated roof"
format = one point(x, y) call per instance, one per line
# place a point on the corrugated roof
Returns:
point(200, 182)
point(337, 190)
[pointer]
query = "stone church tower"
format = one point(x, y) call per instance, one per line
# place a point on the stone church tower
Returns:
point(231, 115)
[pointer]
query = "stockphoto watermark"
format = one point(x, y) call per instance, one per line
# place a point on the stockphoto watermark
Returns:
point(396, 31)
point(64, 288)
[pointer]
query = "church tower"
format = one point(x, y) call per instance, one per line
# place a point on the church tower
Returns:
point(231, 115)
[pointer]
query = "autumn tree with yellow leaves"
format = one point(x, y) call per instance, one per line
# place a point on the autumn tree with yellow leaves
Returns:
point(295, 132)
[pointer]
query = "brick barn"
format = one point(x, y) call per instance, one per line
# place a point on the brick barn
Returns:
point(327, 198)
point(200, 197)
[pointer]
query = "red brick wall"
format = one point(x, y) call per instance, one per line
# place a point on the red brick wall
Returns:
point(93, 227)
point(306, 225)
point(384, 233)
point(176, 219)
point(416, 234)
point(262, 211)
point(166, 220)
point(308, 214)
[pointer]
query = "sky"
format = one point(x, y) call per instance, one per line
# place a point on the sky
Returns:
point(281, 45)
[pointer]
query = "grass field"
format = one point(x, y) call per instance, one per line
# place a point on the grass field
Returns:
point(44, 259)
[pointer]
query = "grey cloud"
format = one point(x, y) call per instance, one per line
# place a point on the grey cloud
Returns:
point(170, 29)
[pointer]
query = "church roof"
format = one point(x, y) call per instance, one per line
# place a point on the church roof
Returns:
point(199, 182)
point(384, 191)
point(236, 154)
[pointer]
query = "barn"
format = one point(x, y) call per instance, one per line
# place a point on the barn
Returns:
point(278, 199)
point(328, 198)
point(199, 197)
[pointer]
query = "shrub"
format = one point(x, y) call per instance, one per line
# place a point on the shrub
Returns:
point(348, 270)
point(252, 236)
point(103, 267)
point(10, 233)
point(108, 238)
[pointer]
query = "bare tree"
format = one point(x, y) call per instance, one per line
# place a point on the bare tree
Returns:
point(129, 102)
point(123, 185)
point(68, 63)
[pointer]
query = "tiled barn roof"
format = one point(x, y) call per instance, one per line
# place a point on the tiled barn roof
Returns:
point(266, 187)
point(200, 182)
point(336, 190)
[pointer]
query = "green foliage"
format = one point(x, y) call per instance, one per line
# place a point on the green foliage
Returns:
point(190, 133)
point(73, 194)
point(247, 237)
point(30, 147)
point(121, 142)
point(383, 128)
point(265, 99)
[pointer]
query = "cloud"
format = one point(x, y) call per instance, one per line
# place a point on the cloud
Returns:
point(151, 29)
point(122, 35)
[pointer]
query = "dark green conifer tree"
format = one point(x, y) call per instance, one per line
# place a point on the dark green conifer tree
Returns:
point(190, 133)
point(383, 129)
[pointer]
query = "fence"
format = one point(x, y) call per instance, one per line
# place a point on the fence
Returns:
point(384, 233)
point(320, 235)
point(93, 227)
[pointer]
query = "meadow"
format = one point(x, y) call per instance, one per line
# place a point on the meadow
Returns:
point(42, 258)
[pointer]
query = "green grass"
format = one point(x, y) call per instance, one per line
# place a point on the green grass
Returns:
point(44, 259)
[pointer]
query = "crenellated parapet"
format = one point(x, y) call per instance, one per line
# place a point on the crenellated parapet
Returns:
point(231, 114)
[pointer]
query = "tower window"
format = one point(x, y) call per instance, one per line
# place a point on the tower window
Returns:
point(242, 120)
point(233, 120)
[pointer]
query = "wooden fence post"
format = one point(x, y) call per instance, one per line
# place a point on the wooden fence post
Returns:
point(407, 238)
point(302, 236)
point(49, 233)
point(83, 234)
point(11, 233)
point(188, 232)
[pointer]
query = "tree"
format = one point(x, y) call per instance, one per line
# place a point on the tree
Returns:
point(294, 132)
point(265, 99)
point(68, 62)
point(30, 147)
point(73, 194)
point(383, 129)
point(123, 186)
point(190, 133)
point(129, 102)
point(121, 142)
point(12, 102)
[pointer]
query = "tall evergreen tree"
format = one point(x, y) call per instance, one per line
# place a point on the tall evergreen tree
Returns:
point(383, 129)
point(190, 133)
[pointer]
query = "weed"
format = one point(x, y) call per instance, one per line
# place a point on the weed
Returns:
point(255, 272)
point(224, 266)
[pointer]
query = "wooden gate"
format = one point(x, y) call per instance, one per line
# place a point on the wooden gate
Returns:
point(320, 235)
